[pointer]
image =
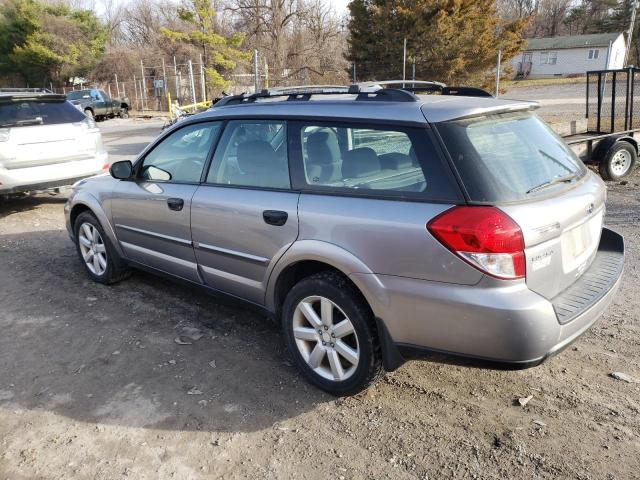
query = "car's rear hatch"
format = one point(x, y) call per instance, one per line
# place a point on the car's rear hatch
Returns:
point(561, 235)
point(43, 130)
point(514, 161)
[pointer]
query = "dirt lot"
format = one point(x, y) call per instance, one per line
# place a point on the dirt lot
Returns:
point(560, 102)
point(93, 385)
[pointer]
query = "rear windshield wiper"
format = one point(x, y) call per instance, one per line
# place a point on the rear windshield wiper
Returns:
point(553, 181)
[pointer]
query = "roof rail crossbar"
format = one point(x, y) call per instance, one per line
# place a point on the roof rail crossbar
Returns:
point(405, 84)
point(305, 88)
point(388, 95)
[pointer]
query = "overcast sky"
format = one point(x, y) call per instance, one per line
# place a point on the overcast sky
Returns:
point(340, 6)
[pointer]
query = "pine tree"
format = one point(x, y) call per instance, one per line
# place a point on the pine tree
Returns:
point(44, 42)
point(219, 53)
point(454, 41)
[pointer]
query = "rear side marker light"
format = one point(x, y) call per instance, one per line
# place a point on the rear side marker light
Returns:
point(105, 166)
point(485, 237)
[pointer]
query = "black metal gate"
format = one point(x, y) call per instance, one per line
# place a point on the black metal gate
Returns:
point(613, 104)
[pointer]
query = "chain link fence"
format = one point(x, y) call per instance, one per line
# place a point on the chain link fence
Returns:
point(600, 101)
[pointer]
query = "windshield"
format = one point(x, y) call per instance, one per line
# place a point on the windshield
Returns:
point(27, 112)
point(509, 157)
point(78, 95)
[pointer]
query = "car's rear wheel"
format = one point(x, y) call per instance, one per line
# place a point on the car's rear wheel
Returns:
point(330, 333)
point(618, 161)
point(89, 113)
point(101, 261)
point(124, 112)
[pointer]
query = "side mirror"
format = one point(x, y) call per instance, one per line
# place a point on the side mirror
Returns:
point(121, 170)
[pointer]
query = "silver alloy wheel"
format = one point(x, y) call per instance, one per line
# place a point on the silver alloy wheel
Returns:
point(92, 249)
point(621, 162)
point(326, 338)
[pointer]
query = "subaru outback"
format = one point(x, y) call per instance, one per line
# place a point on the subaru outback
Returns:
point(372, 222)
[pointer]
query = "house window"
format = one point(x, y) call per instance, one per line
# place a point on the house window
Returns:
point(593, 54)
point(548, 58)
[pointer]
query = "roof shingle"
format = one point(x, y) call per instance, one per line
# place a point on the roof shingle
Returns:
point(572, 41)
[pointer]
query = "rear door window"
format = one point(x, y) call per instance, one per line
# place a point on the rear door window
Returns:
point(509, 157)
point(17, 112)
point(252, 153)
point(370, 160)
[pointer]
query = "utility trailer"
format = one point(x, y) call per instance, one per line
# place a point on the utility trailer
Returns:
point(611, 108)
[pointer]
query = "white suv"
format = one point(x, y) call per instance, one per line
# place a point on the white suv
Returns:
point(45, 142)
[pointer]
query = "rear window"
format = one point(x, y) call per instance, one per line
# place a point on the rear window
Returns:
point(509, 157)
point(370, 160)
point(28, 112)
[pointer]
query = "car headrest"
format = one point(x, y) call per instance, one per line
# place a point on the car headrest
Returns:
point(395, 161)
point(323, 148)
point(256, 156)
point(414, 157)
point(360, 162)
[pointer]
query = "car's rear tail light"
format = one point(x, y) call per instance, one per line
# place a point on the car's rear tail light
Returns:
point(485, 237)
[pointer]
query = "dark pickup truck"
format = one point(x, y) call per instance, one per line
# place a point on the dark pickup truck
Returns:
point(98, 105)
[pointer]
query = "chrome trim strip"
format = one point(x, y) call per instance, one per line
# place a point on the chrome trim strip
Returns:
point(232, 277)
point(233, 253)
point(154, 234)
point(162, 256)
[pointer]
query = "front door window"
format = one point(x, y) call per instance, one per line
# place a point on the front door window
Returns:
point(182, 155)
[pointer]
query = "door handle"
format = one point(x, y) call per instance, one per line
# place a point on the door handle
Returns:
point(175, 204)
point(275, 217)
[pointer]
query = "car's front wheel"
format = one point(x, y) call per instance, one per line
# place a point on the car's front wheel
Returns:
point(100, 259)
point(330, 333)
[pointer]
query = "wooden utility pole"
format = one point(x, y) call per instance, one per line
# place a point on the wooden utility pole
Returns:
point(498, 68)
point(404, 62)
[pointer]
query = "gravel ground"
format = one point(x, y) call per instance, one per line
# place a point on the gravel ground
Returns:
point(93, 384)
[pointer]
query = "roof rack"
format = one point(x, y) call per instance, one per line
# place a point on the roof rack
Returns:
point(465, 92)
point(416, 86)
point(305, 93)
point(410, 85)
point(364, 91)
point(25, 90)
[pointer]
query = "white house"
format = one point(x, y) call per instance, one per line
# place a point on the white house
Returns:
point(571, 55)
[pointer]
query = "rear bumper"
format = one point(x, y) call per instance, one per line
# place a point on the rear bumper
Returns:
point(50, 176)
point(496, 321)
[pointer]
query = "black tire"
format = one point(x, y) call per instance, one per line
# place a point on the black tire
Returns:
point(116, 270)
point(336, 288)
point(124, 112)
point(609, 166)
point(89, 113)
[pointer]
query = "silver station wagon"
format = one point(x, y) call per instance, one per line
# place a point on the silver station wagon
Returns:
point(372, 222)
